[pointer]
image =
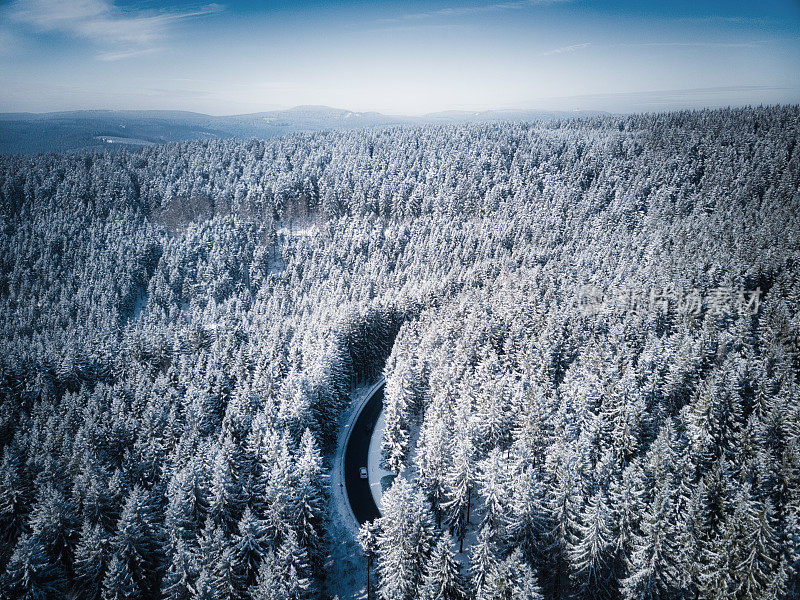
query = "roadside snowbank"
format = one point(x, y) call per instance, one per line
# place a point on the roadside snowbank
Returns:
point(380, 479)
point(345, 565)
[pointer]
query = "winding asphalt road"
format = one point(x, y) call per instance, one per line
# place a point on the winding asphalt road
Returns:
point(355, 457)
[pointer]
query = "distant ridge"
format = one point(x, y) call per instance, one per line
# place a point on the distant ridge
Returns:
point(30, 133)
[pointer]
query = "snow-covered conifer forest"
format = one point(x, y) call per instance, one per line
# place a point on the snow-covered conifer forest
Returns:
point(181, 328)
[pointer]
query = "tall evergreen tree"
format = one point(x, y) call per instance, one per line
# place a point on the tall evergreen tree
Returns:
point(442, 580)
point(592, 552)
point(653, 568)
point(404, 542)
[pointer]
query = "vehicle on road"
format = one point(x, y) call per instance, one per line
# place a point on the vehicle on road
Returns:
point(356, 457)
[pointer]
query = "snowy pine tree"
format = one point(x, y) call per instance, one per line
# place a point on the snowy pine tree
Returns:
point(443, 579)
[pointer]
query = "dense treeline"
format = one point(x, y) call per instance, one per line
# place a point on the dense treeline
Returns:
point(647, 453)
point(182, 325)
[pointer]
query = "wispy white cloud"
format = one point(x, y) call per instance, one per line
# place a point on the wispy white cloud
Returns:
point(6, 41)
point(692, 44)
point(414, 26)
point(118, 33)
point(729, 20)
point(688, 44)
point(565, 49)
point(112, 55)
point(458, 11)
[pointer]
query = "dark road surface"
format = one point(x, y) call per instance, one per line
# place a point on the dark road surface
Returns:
point(355, 457)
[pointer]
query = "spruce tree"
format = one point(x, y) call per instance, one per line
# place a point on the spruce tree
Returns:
point(442, 580)
point(592, 552)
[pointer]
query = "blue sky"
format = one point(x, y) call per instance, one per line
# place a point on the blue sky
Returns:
point(397, 57)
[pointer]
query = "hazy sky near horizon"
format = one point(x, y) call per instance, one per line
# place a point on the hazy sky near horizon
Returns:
point(397, 57)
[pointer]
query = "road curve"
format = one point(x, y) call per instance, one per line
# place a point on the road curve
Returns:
point(356, 453)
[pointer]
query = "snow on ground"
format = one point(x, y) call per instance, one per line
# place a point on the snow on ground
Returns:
point(345, 565)
point(297, 231)
point(380, 479)
point(139, 306)
point(276, 264)
point(111, 139)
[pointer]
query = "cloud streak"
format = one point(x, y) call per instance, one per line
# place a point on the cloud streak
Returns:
point(566, 49)
point(7, 41)
point(751, 44)
point(119, 33)
point(112, 55)
point(575, 47)
point(460, 11)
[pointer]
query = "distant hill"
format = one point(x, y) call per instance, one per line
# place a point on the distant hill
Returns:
point(30, 133)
